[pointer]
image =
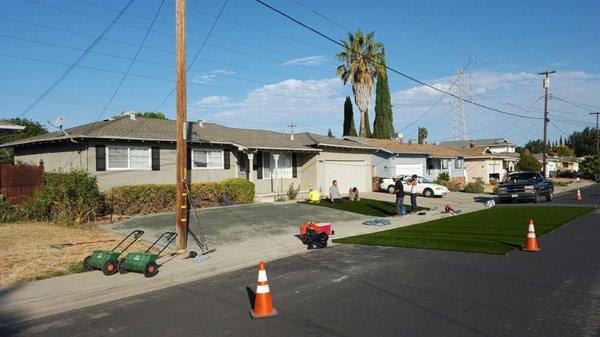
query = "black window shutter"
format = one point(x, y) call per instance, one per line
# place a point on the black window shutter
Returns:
point(259, 166)
point(226, 159)
point(189, 158)
point(100, 158)
point(155, 158)
point(294, 165)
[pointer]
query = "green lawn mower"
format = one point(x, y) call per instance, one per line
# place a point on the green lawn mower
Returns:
point(145, 262)
point(108, 260)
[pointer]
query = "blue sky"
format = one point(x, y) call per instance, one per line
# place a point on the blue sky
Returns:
point(259, 70)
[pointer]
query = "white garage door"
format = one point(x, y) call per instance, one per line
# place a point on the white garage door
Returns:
point(348, 173)
point(494, 168)
point(408, 169)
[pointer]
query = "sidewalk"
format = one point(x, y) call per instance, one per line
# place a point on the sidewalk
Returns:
point(37, 299)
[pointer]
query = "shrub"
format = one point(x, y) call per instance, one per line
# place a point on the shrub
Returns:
point(154, 198)
point(66, 198)
point(528, 163)
point(442, 178)
point(292, 192)
point(474, 187)
point(454, 185)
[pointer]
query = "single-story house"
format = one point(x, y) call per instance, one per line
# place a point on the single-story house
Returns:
point(496, 145)
point(7, 127)
point(555, 164)
point(130, 150)
point(397, 158)
point(481, 162)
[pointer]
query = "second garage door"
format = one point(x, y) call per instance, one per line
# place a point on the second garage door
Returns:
point(348, 173)
point(408, 169)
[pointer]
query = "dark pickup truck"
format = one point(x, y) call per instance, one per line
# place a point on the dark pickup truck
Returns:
point(525, 186)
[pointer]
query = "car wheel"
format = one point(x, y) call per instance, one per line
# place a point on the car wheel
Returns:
point(428, 192)
point(391, 189)
point(549, 197)
point(536, 197)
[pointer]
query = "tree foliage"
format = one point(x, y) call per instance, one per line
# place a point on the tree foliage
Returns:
point(535, 146)
point(528, 163)
point(32, 128)
point(383, 126)
point(562, 150)
point(591, 166)
point(368, 133)
point(422, 135)
point(349, 128)
point(583, 142)
point(361, 59)
point(330, 134)
point(155, 115)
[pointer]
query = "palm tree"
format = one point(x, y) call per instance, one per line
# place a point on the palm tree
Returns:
point(362, 62)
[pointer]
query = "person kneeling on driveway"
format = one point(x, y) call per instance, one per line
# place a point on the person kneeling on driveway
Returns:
point(334, 193)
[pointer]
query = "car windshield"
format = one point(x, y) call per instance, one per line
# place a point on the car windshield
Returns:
point(521, 177)
point(424, 180)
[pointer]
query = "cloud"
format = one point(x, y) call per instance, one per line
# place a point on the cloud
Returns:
point(306, 61)
point(205, 78)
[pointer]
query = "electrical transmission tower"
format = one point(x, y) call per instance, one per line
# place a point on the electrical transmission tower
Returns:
point(460, 86)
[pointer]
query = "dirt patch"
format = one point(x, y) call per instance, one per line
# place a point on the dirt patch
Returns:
point(26, 254)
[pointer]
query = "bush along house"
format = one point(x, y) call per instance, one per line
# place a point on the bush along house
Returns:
point(130, 150)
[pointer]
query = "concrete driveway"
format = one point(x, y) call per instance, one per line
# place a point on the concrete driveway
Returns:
point(230, 225)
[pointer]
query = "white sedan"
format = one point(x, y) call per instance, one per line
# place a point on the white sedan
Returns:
point(424, 187)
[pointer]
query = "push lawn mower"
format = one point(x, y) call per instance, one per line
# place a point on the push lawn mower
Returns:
point(107, 260)
point(145, 262)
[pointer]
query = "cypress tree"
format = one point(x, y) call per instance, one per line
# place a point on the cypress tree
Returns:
point(383, 126)
point(330, 134)
point(368, 133)
point(349, 128)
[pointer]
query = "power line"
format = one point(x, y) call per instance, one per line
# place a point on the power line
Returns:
point(392, 69)
point(324, 17)
point(131, 63)
point(77, 61)
point(583, 106)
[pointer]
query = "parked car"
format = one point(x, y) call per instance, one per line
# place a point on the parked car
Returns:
point(424, 187)
point(525, 186)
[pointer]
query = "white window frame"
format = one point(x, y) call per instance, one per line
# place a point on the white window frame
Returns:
point(444, 161)
point(128, 168)
point(461, 161)
point(221, 167)
point(271, 169)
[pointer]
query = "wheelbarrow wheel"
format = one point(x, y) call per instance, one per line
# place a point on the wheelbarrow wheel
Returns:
point(121, 266)
point(87, 263)
point(109, 268)
point(151, 269)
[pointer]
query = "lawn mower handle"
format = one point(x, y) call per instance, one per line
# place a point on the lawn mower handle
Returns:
point(136, 235)
point(170, 237)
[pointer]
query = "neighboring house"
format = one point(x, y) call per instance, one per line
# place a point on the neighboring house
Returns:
point(499, 147)
point(7, 127)
point(131, 150)
point(395, 158)
point(555, 164)
point(481, 162)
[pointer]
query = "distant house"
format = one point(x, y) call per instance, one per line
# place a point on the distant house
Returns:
point(131, 150)
point(555, 164)
point(7, 127)
point(395, 158)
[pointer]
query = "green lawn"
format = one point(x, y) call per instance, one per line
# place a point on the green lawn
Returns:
point(369, 207)
point(496, 230)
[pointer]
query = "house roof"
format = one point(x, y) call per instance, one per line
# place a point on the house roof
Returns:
point(7, 127)
point(569, 159)
point(392, 146)
point(150, 129)
point(481, 142)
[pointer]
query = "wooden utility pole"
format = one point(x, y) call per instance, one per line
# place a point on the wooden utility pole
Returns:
point(597, 135)
point(546, 84)
point(181, 197)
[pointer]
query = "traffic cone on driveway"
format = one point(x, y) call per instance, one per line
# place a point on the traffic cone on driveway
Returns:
point(531, 243)
point(263, 305)
point(578, 197)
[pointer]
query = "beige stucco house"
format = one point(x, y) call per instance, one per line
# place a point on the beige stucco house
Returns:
point(131, 150)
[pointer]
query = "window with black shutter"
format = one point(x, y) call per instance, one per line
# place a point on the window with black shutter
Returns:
point(155, 158)
point(100, 158)
point(294, 165)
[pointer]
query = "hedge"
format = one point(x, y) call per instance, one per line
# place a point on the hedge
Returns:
point(157, 198)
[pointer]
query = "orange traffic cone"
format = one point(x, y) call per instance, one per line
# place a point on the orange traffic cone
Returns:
point(263, 306)
point(531, 243)
point(578, 198)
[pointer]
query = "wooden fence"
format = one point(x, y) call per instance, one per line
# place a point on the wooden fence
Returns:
point(18, 183)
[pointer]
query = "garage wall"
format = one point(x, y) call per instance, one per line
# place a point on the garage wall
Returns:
point(65, 156)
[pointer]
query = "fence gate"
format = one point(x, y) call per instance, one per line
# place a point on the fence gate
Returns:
point(18, 183)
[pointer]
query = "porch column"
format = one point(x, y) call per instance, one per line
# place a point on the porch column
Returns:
point(276, 159)
point(250, 167)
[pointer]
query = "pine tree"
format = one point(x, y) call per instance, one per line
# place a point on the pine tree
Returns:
point(383, 126)
point(349, 128)
point(330, 134)
point(560, 141)
point(368, 133)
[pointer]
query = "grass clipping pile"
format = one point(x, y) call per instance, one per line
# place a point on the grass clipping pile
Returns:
point(26, 254)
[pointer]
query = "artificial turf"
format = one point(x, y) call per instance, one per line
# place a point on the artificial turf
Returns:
point(368, 207)
point(495, 230)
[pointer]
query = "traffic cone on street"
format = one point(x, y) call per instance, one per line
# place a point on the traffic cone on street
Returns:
point(578, 198)
point(531, 243)
point(263, 305)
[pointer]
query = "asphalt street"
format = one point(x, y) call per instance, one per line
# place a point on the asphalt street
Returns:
point(351, 290)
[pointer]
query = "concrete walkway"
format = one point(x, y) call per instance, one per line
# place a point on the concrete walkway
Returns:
point(37, 299)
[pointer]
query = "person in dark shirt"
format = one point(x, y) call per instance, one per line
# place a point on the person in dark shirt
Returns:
point(399, 191)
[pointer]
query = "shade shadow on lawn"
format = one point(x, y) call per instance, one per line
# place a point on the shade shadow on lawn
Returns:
point(497, 230)
point(370, 207)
